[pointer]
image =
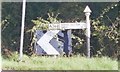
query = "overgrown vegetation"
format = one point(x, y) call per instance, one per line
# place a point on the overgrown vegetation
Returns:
point(42, 24)
point(104, 25)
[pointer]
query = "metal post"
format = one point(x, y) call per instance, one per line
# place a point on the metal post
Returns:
point(87, 13)
point(22, 29)
point(66, 43)
point(69, 41)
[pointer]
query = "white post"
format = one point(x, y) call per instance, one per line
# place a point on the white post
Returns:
point(87, 13)
point(22, 29)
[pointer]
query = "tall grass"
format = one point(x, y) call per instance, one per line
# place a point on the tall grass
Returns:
point(59, 63)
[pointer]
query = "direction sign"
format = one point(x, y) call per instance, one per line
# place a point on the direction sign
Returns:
point(80, 25)
point(54, 26)
point(44, 41)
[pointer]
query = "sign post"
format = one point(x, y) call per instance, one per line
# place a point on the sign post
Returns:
point(56, 27)
point(87, 14)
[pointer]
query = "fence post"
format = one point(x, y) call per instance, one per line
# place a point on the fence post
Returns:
point(87, 14)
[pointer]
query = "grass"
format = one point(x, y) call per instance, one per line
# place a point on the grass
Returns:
point(60, 63)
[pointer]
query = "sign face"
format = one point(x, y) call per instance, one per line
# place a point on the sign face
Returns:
point(60, 26)
point(54, 26)
point(44, 42)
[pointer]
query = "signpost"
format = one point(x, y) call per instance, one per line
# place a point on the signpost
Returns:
point(55, 28)
point(87, 13)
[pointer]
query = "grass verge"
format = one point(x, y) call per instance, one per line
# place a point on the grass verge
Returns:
point(60, 63)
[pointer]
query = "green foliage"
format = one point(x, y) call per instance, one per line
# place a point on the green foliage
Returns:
point(104, 24)
point(42, 24)
point(106, 32)
point(60, 63)
point(10, 26)
point(79, 40)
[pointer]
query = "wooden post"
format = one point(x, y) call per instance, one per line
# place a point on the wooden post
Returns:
point(87, 14)
point(22, 29)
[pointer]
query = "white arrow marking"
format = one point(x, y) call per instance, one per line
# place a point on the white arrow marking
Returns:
point(44, 42)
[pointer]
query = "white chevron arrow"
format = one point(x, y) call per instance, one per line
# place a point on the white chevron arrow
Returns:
point(44, 42)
